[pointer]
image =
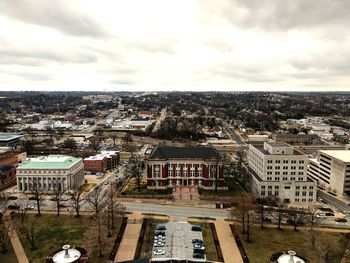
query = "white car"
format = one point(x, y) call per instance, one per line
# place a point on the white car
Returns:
point(29, 207)
point(158, 252)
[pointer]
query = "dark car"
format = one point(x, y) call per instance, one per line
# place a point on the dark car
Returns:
point(197, 241)
point(198, 255)
point(340, 220)
point(13, 207)
point(196, 228)
point(32, 198)
point(160, 227)
point(329, 214)
point(12, 197)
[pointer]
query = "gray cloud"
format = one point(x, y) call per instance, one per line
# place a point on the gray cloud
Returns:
point(54, 13)
point(122, 82)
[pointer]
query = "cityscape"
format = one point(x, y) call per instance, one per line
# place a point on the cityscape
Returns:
point(174, 131)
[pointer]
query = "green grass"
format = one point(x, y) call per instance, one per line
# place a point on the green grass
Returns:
point(210, 249)
point(145, 191)
point(269, 241)
point(9, 256)
point(125, 155)
point(54, 232)
point(233, 190)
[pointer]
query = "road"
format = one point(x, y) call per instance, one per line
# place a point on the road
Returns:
point(174, 210)
point(327, 198)
point(232, 134)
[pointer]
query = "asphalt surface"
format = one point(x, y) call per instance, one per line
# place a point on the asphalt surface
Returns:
point(233, 135)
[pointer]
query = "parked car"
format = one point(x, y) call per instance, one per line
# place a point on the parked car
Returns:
point(160, 227)
point(12, 197)
point(329, 214)
point(13, 207)
point(29, 207)
point(198, 246)
point(196, 228)
point(32, 198)
point(197, 241)
point(339, 219)
point(198, 255)
point(158, 252)
point(158, 244)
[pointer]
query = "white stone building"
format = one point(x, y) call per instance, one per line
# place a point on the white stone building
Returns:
point(47, 172)
point(278, 170)
point(331, 169)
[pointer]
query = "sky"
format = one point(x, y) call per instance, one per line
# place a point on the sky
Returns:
point(184, 45)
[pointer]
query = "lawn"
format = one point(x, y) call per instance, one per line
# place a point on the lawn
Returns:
point(54, 232)
point(269, 241)
point(233, 190)
point(131, 189)
point(9, 256)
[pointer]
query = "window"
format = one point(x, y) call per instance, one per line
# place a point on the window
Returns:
point(277, 167)
point(297, 193)
point(301, 167)
point(297, 187)
point(301, 173)
point(277, 178)
point(311, 187)
point(303, 193)
point(292, 178)
point(285, 178)
point(277, 173)
point(269, 173)
point(262, 193)
point(170, 171)
point(293, 161)
point(285, 173)
point(304, 187)
point(269, 193)
point(285, 161)
point(184, 171)
point(311, 193)
point(277, 187)
point(293, 167)
point(285, 167)
point(301, 161)
point(276, 193)
point(278, 161)
point(269, 178)
point(263, 187)
point(287, 187)
point(269, 187)
point(303, 200)
point(269, 161)
point(269, 167)
point(311, 200)
point(296, 199)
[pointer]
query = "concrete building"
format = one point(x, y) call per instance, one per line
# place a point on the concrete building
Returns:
point(9, 139)
point(195, 165)
point(331, 169)
point(278, 170)
point(46, 172)
point(297, 138)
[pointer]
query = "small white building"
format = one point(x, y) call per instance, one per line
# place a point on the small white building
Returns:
point(278, 170)
point(47, 172)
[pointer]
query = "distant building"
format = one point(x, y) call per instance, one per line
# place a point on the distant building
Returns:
point(46, 172)
point(297, 138)
point(331, 169)
point(106, 160)
point(279, 171)
point(9, 139)
point(198, 165)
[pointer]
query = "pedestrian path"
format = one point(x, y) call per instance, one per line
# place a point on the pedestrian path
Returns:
point(17, 245)
point(228, 244)
point(127, 248)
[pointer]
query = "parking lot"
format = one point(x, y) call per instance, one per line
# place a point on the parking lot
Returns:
point(176, 242)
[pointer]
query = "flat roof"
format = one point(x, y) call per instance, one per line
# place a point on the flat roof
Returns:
point(52, 161)
point(343, 155)
point(278, 144)
point(9, 136)
point(188, 152)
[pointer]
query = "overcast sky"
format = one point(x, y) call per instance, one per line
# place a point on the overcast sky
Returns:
point(145, 45)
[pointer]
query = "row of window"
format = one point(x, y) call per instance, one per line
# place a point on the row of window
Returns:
point(286, 161)
point(285, 173)
point(303, 193)
point(285, 167)
point(286, 178)
point(303, 200)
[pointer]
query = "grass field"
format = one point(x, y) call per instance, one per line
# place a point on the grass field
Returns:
point(54, 232)
point(233, 190)
point(131, 189)
point(9, 256)
point(269, 241)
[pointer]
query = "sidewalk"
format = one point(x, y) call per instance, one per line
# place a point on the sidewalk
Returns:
point(17, 246)
point(127, 248)
point(228, 244)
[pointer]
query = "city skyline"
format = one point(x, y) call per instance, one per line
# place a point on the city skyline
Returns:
point(174, 45)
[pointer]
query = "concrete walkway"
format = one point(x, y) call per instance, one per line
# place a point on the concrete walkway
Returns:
point(228, 244)
point(127, 248)
point(17, 245)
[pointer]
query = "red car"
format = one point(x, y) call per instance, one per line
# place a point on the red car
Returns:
point(340, 219)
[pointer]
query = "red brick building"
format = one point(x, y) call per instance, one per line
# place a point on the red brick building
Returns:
point(201, 166)
point(102, 162)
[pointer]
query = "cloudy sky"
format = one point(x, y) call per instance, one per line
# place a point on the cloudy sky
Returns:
point(223, 45)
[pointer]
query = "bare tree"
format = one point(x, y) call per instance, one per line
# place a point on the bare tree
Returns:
point(251, 218)
point(97, 202)
point(135, 169)
point(297, 218)
point(263, 210)
point(29, 231)
point(5, 236)
point(58, 192)
point(312, 218)
point(37, 194)
point(76, 201)
point(280, 212)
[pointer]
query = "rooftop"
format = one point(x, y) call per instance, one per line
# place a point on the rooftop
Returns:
point(278, 144)
point(52, 161)
point(9, 136)
point(189, 152)
point(343, 155)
